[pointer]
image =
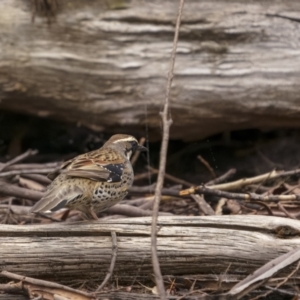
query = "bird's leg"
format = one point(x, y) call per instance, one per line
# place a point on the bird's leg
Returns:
point(93, 214)
point(89, 214)
point(65, 215)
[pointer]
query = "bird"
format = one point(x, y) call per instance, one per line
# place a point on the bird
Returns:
point(94, 181)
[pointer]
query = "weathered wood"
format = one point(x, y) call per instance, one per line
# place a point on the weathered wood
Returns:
point(186, 245)
point(103, 64)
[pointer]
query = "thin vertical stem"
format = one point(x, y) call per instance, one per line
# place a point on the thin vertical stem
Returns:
point(167, 121)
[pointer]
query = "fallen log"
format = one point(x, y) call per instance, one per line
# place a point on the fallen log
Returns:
point(64, 252)
point(104, 64)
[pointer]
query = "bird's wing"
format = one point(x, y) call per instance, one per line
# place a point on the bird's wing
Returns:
point(96, 165)
point(64, 165)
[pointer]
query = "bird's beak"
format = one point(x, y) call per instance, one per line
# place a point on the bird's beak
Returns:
point(141, 148)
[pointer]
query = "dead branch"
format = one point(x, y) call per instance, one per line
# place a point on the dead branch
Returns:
point(203, 205)
point(29, 171)
point(172, 178)
point(162, 161)
point(131, 211)
point(13, 190)
point(37, 287)
point(222, 178)
point(245, 181)
point(38, 178)
point(52, 165)
point(15, 209)
point(31, 184)
point(21, 157)
point(241, 196)
point(262, 274)
point(207, 166)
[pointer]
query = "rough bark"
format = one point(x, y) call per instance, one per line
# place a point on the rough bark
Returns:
point(186, 246)
point(104, 64)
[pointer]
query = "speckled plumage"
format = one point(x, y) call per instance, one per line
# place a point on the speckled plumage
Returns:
point(94, 181)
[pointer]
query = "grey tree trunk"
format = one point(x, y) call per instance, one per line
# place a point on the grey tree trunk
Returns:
point(103, 64)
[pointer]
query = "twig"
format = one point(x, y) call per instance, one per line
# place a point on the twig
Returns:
point(53, 165)
point(44, 283)
point(21, 157)
point(261, 275)
point(281, 207)
point(138, 201)
point(290, 188)
point(112, 263)
point(31, 184)
point(15, 209)
point(258, 188)
point(289, 276)
point(170, 192)
point(263, 182)
point(207, 166)
point(143, 189)
point(128, 210)
point(243, 196)
point(172, 178)
point(131, 211)
point(151, 189)
point(13, 190)
point(222, 178)
point(141, 176)
point(266, 206)
point(275, 213)
point(245, 181)
point(148, 204)
point(192, 293)
point(281, 291)
point(162, 162)
point(279, 284)
point(11, 288)
point(29, 171)
point(203, 205)
point(39, 178)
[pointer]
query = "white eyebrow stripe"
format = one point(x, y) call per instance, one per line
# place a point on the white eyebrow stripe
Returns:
point(128, 139)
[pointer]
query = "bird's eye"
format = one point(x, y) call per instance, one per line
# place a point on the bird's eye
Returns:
point(133, 144)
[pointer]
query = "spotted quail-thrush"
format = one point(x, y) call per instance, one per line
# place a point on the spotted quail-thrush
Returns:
point(94, 181)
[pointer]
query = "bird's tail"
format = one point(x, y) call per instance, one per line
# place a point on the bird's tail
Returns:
point(56, 198)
